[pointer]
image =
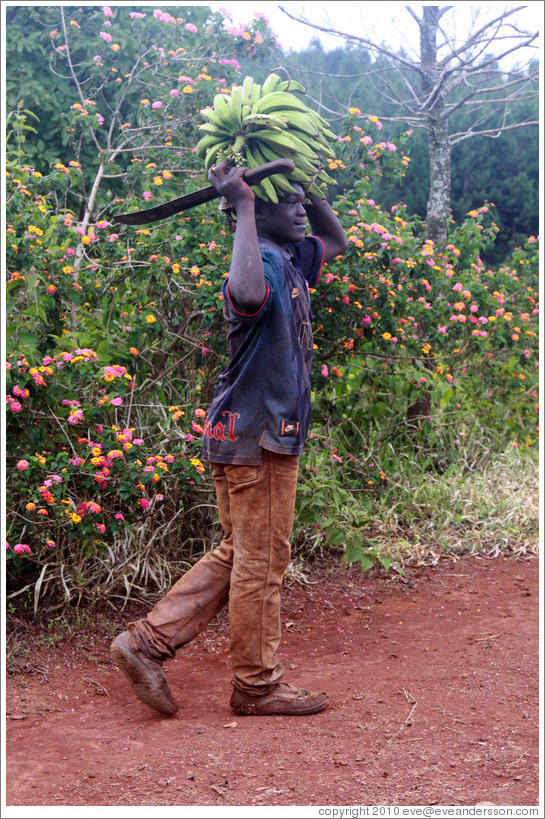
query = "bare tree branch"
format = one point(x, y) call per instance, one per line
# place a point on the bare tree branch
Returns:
point(448, 77)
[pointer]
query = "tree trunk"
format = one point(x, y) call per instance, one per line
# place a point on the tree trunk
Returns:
point(438, 208)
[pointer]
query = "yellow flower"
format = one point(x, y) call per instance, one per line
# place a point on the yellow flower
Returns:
point(150, 319)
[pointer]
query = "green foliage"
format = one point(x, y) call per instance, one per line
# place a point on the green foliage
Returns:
point(115, 336)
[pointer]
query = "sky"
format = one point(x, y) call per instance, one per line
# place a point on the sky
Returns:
point(379, 20)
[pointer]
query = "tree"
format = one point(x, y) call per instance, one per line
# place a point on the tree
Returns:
point(446, 77)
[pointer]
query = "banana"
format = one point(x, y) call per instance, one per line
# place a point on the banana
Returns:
point(279, 100)
point(246, 90)
point(256, 94)
point(255, 121)
point(313, 188)
point(323, 176)
point(238, 145)
point(259, 123)
point(281, 142)
point(208, 141)
point(302, 122)
point(215, 154)
point(282, 184)
point(212, 116)
point(291, 85)
point(270, 84)
point(213, 129)
point(269, 189)
point(235, 106)
point(265, 189)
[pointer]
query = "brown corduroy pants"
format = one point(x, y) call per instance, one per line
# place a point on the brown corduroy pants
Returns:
point(256, 506)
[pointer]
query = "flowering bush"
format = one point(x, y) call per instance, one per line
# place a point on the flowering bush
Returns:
point(115, 334)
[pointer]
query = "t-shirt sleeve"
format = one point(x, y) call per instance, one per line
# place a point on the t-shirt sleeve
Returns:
point(270, 280)
point(309, 256)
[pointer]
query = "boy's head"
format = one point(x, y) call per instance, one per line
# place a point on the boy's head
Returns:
point(284, 221)
point(280, 222)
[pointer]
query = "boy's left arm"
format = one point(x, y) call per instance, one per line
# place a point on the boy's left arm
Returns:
point(325, 225)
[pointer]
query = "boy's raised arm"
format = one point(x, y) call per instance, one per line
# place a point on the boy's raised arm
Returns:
point(247, 287)
point(326, 226)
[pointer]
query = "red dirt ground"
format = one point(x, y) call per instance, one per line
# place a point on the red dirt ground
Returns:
point(434, 700)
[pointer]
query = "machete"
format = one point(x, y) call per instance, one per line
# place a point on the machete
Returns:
point(199, 197)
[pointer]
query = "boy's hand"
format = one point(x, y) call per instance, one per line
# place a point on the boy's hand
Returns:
point(229, 182)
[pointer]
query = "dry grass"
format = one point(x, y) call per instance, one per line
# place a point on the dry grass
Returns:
point(493, 510)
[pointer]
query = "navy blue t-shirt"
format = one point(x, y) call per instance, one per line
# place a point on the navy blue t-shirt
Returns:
point(262, 399)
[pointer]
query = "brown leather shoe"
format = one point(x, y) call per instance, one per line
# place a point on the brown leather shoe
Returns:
point(146, 676)
point(284, 699)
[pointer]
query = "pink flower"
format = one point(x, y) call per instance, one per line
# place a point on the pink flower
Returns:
point(147, 195)
point(50, 543)
point(75, 417)
point(107, 11)
point(117, 402)
point(157, 104)
point(190, 27)
point(105, 36)
point(22, 465)
point(119, 516)
point(101, 528)
point(20, 548)
point(325, 371)
point(144, 503)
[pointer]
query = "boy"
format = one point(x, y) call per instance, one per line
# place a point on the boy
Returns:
point(253, 436)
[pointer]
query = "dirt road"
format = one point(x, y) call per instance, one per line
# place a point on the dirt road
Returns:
point(433, 685)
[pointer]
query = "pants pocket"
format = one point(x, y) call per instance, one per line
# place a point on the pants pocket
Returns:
point(240, 473)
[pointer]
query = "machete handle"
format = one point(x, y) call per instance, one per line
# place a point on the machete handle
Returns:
point(252, 176)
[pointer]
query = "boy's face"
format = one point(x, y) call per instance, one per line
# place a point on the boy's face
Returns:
point(283, 222)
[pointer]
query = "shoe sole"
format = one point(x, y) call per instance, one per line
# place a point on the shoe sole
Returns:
point(142, 691)
point(285, 712)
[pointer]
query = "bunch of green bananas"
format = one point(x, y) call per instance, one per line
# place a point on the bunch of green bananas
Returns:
point(256, 124)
